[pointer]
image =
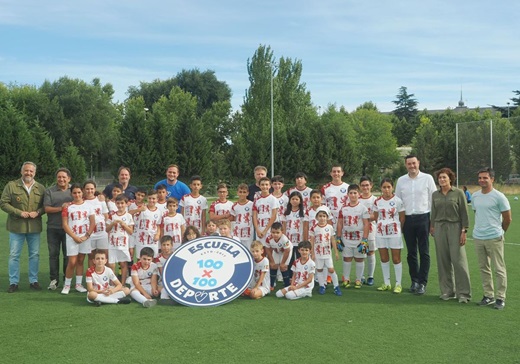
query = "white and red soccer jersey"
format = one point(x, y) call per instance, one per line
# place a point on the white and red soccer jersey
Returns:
point(160, 261)
point(111, 206)
point(322, 236)
point(221, 208)
point(278, 246)
point(146, 225)
point(118, 238)
point(78, 217)
point(100, 209)
point(162, 207)
point(294, 227)
point(335, 197)
point(194, 208)
point(352, 218)
point(283, 200)
point(144, 275)
point(258, 268)
point(310, 217)
point(243, 223)
point(264, 206)
point(171, 225)
point(369, 204)
point(388, 224)
point(306, 195)
point(100, 281)
point(303, 271)
point(132, 205)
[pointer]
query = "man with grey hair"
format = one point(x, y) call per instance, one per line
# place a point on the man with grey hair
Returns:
point(53, 201)
point(22, 200)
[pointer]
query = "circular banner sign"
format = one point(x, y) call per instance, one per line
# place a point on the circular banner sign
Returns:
point(208, 271)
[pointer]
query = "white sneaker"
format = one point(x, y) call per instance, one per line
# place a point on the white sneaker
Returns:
point(53, 285)
point(80, 288)
point(149, 303)
point(65, 290)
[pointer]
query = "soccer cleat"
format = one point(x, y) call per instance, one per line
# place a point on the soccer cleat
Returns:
point(499, 304)
point(357, 284)
point(247, 292)
point(370, 281)
point(329, 279)
point(65, 290)
point(53, 285)
point(486, 301)
point(337, 291)
point(322, 290)
point(124, 301)
point(149, 303)
point(80, 288)
point(346, 283)
point(398, 289)
point(385, 287)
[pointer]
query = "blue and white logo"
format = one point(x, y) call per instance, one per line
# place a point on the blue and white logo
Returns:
point(208, 271)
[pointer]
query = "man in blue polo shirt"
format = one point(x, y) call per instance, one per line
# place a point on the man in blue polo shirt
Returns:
point(174, 187)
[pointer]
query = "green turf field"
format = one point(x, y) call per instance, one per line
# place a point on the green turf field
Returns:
point(361, 326)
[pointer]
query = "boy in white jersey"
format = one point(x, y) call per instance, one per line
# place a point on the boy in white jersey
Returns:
point(303, 269)
point(300, 181)
point(283, 199)
point(120, 226)
point(279, 252)
point(335, 193)
point(242, 213)
point(99, 238)
point(265, 210)
point(310, 214)
point(102, 284)
point(224, 227)
point(367, 199)
point(161, 198)
point(135, 207)
point(259, 285)
point(221, 208)
point(194, 205)
point(322, 240)
point(166, 252)
point(111, 204)
point(147, 225)
point(353, 227)
point(172, 224)
point(144, 279)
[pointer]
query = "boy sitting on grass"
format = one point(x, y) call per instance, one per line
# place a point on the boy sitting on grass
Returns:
point(144, 279)
point(302, 281)
point(102, 284)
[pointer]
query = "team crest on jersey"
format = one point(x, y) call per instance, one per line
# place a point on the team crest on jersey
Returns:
point(343, 190)
point(105, 278)
point(305, 193)
point(392, 203)
point(198, 202)
point(208, 271)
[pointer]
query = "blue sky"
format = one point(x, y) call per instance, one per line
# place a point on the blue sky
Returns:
point(351, 51)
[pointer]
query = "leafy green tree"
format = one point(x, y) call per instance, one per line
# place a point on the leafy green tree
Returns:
point(426, 146)
point(75, 163)
point(374, 134)
point(405, 112)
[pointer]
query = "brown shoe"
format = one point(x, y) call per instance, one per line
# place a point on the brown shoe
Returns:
point(12, 288)
point(36, 286)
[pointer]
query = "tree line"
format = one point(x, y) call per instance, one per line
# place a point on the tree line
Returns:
point(188, 120)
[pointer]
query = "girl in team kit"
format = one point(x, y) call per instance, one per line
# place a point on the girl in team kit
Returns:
point(99, 238)
point(388, 211)
point(293, 219)
point(78, 222)
point(190, 233)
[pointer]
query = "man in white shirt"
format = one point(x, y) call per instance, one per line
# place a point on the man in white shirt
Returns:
point(415, 189)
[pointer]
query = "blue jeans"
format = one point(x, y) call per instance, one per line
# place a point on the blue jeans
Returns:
point(15, 250)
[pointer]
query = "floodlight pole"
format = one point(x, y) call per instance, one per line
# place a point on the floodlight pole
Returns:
point(272, 120)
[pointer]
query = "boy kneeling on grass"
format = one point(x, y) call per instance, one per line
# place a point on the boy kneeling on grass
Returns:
point(102, 284)
point(302, 281)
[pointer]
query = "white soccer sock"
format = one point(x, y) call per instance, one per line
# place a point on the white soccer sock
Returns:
point(346, 270)
point(334, 277)
point(322, 278)
point(360, 268)
point(371, 262)
point(385, 267)
point(279, 293)
point(106, 299)
point(68, 281)
point(136, 295)
point(398, 269)
point(79, 279)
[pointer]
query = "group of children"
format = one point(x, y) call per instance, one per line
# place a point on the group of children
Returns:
point(292, 236)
